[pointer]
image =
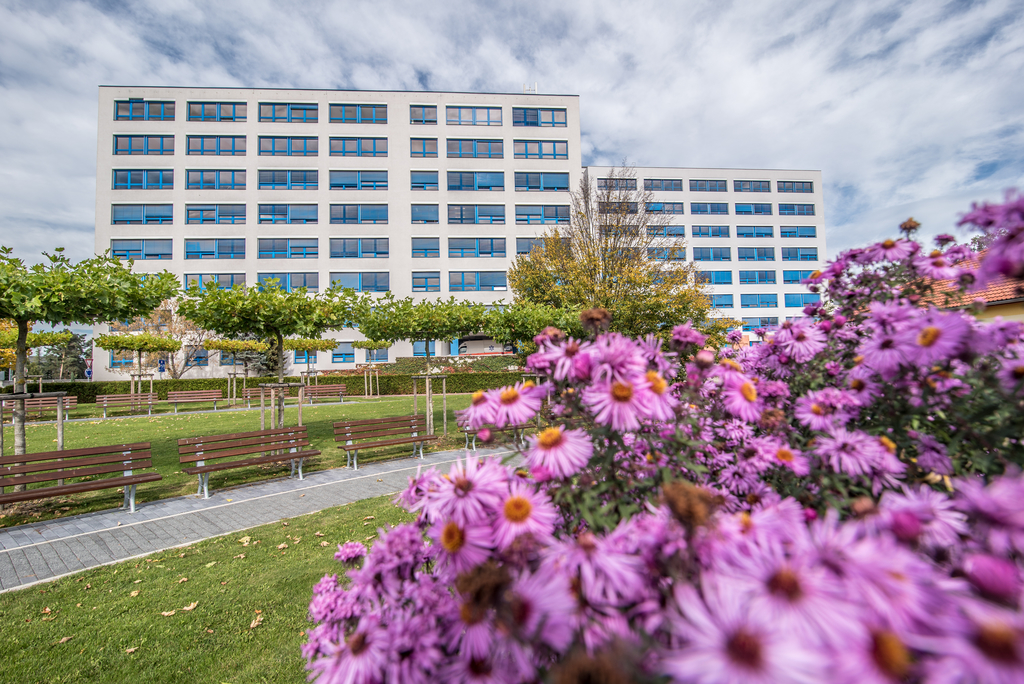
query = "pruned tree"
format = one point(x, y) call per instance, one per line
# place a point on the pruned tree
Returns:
point(138, 343)
point(167, 321)
point(518, 323)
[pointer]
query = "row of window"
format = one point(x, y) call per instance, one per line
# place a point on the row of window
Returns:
point(764, 301)
point(676, 185)
point(365, 281)
point(754, 253)
point(152, 110)
point(698, 208)
point(752, 277)
point(141, 214)
point(309, 248)
point(199, 357)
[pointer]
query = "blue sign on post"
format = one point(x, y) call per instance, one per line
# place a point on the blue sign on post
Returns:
point(161, 365)
point(88, 372)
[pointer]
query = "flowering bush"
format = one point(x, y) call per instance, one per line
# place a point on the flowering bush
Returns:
point(840, 503)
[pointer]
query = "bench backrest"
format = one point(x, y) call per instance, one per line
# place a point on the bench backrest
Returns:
point(195, 395)
point(254, 392)
point(323, 390)
point(119, 399)
point(43, 403)
point(42, 467)
point(193, 449)
point(380, 427)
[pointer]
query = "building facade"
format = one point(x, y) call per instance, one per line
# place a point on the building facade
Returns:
point(417, 193)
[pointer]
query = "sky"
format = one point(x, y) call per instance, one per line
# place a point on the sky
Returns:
point(908, 108)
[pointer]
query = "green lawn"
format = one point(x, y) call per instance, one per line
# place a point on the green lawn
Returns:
point(89, 627)
point(164, 431)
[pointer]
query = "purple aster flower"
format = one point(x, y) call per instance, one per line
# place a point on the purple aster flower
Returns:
point(1011, 374)
point(936, 337)
point(481, 410)
point(609, 576)
point(941, 524)
point(618, 403)
point(542, 609)
point(936, 266)
point(559, 358)
point(359, 660)
point(892, 250)
point(989, 650)
point(350, 552)
point(791, 458)
point(518, 404)
point(931, 455)
point(848, 451)
point(470, 493)
point(523, 510)
point(659, 403)
point(463, 546)
point(822, 409)
point(684, 335)
point(561, 452)
point(802, 339)
point(885, 352)
point(616, 357)
point(734, 336)
point(739, 396)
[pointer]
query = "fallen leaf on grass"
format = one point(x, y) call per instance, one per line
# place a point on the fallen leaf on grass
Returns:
point(369, 517)
point(256, 623)
point(282, 545)
point(47, 610)
point(133, 649)
point(241, 555)
point(134, 593)
point(191, 606)
point(284, 524)
point(323, 543)
point(244, 541)
point(169, 613)
point(88, 586)
point(211, 564)
point(65, 640)
point(209, 631)
point(136, 581)
point(183, 579)
point(370, 537)
point(318, 534)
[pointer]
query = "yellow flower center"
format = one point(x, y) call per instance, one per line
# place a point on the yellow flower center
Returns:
point(658, 384)
point(731, 364)
point(889, 244)
point(928, 336)
point(857, 384)
point(890, 654)
point(528, 384)
point(551, 437)
point(935, 254)
point(517, 509)
point(815, 274)
point(889, 445)
point(1018, 371)
point(998, 642)
point(622, 391)
point(749, 392)
point(478, 397)
point(817, 410)
point(452, 537)
point(509, 396)
point(785, 455)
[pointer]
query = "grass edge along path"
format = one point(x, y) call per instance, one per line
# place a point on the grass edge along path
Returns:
point(231, 609)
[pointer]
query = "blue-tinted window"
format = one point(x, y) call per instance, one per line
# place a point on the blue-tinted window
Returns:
point(210, 248)
point(287, 248)
point(357, 113)
point(125, 214)
point(795, 277)
point(288, 112)
point(766, 322)
point(144, 144)
point(283, 179)
point(798, 231)
point(757, 277)
point(752, 186)
point(755, 253)
point(799, 253)
point(664, 184)
point(796, 209)
point(288, 213)
point(476, 180)
point(555, 213)
point(542, 181)
point(754, 231)
point(196, 356)
point(376, 355)
point(540, 149)
point(362, 282)
point(476, 247)
point(666, 231)
point(664, 207)
point(476, 213)
point(473, 116)
point(712, 254)
point(344, 353)
point(215, 180)
point(473, 281)
point(215, 213)
point(526, 245)
point(424, 180)
point(359, 213)
point(801, 300)
point(426, 281)
point(359, 248)
point(423, 147)
point(708, 186)
point(616, 184)
point(758, 301)
point(709, 208)
point(425, 213)
point(538, 116)
point(419, 348)
point(289, 282)
point(476, 149)
point(359, 180)
point(143, 179)
point(795, 186)
point(426, 248)
point(280, 146)
point(667, 253)
point(754, 209)
point(721, 301)
point(141, 250)
point(217, 111)
point(423, 115)
point(715, 277)
point(218, 280)
point(710, 231)
point(303, 356)
point(216, 145)
point(359, 147)
point(143, 110)
point(617, 207)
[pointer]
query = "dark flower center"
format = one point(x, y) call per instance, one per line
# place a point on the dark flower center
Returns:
point(622, 391)
point(357, 643)
point(744, 648)
point(463, 486)
point(890, 655)
point(785, 583)
point(452, 537)
point(480, 667)
point(998, 642)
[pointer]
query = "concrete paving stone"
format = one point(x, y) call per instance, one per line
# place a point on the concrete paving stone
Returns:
point(35, 559)
point(54, 562)
point(22, 567)
point(8, 573)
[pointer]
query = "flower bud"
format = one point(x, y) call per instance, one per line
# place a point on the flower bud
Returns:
point(704, 359)
point(540, 473)
point(906, 526)
point(839, 320)
point(810, 514)
point(993, 576)
point(485, 435)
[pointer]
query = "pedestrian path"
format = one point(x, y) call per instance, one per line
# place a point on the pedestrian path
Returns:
point(44, 551)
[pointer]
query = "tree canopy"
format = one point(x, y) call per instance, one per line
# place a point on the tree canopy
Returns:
point(390, 320)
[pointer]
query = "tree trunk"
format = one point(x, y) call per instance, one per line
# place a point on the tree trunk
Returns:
point(280, 379)
point(21, 359)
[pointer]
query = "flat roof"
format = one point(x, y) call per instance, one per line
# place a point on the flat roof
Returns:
point(337, 90)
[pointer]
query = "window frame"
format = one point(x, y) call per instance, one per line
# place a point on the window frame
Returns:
point(357, 114)
point(291, 114)
point(219, 113)
point(217, 252)
point(144, 175)
point(219, 149)
point(544, 117)
point(288, 214)
point(360, 219)
point(160, 150)
point(491, 220)
point(220, 214)
point(475, 118)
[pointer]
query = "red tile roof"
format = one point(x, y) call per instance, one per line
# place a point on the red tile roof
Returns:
point(1000, 290)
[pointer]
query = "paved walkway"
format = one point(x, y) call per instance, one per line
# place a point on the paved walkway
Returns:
point(43, 551)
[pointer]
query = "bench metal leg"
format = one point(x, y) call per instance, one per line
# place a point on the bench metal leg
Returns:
point(104, 412)
point(175, 407)
point(204, 485)
point(129, 497)
point(300, 460)
point(355, 460)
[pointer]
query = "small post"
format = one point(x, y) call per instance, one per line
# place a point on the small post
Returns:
point(366, 392)
point(415, 411)
point(60, 432)
point(444, 402)
point(429, 402)
point(300, 405)
point(275, 410)
point(263, 411)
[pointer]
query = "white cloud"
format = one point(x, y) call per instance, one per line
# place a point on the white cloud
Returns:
point(910, 107)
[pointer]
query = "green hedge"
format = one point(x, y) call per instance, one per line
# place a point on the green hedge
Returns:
point(389, 384)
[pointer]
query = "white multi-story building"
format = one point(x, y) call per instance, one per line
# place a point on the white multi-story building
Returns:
point(421, 194)
point(753, 233)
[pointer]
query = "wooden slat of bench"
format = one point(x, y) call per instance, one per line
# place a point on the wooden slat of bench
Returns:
point(60, 490)
point(77, 462)
point(210, 439)
point(119, 449)
point(372, 421)
point(240, 442)
point(331, 390)
point(387, 442)
point(255, 449)
point(205, 395)
point(376, 433)
point(71, 473)
point(393, 425)
point(242, 463)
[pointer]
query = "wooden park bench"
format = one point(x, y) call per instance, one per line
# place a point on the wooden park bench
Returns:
point(398, 430)
point(195, 397)
point(518, 434)
point(324, 391)
point(251, 394)
point(282, 444)
point(42, 405)
point(133, 401)
point(77, 464)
